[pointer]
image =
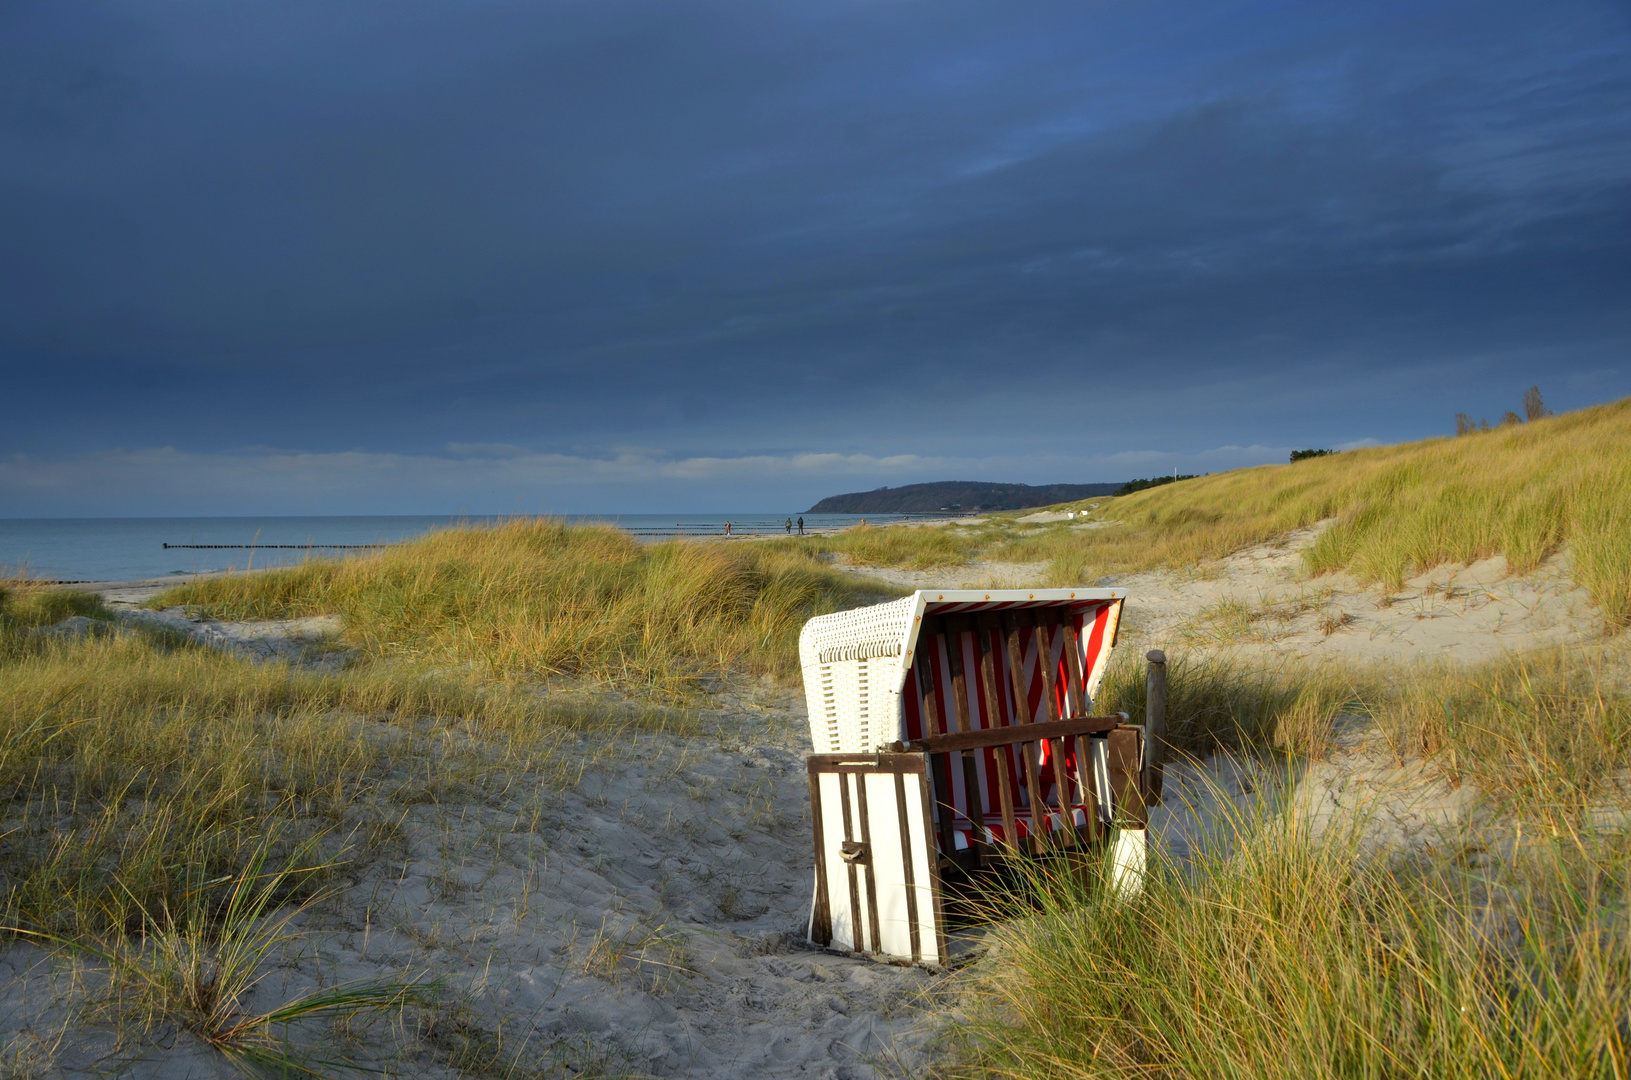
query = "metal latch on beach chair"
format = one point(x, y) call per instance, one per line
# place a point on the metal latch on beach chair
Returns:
point(853, 852)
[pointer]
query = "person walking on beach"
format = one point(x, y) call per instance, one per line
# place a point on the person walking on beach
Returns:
point(801, 526)
point(727, 528)
point(789, 526)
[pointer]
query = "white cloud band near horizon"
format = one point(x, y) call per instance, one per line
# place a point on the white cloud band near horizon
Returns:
point(164, 480)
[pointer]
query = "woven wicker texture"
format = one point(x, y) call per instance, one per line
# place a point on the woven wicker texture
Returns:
point(851, 663)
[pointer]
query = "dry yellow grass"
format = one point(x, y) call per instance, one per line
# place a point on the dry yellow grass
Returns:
point(1542, 733)
point(1521, 491)
point(159, 801)
point(128, 768)
point(1286, 954)
point(541, 598)
point(131, 765)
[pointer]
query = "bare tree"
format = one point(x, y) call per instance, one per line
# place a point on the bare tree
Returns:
point(1511, 418)
point(1464, 424)
point(1533, 407)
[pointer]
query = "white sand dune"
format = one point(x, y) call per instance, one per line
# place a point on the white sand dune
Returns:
point(651, 921)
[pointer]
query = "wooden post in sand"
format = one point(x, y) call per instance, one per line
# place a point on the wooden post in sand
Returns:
point(1155, 725)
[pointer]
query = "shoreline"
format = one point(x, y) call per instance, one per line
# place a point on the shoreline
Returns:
point(98, 556)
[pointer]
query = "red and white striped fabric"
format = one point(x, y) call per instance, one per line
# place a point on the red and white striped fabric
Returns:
point(1095, 626)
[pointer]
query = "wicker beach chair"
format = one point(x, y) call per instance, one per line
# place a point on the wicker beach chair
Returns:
point(953, 734)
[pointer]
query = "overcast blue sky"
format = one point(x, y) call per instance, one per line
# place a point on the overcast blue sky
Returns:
point(404, 257)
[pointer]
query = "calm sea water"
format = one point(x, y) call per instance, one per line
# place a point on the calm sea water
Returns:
point(122, 549)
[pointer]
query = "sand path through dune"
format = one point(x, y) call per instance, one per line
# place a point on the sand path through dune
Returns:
point(648, 923)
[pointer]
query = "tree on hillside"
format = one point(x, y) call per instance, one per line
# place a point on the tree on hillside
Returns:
point(1533, 407)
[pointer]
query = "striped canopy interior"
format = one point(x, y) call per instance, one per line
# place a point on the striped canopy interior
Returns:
point(956, 642)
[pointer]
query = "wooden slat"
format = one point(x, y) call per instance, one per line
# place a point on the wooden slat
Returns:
point(1047, 622)
point(928, 641)
point(1056, 758)
point(871, 866)
point(1033, 787)
point(854, 883)
point(954, 628)
point(937, 898)
point(1089, 793)
point(821, 918)
point(1074, 693)
point(1007, 736)
point(940, 764)
point(1000, 753)
point(1016, 667)
point(1023, 715)
point(909, 871)
point(1126, 770)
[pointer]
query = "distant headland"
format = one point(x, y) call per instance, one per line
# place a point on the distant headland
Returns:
point(956, 495)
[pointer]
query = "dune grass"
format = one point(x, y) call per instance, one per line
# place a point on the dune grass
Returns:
point(195, 965)
point(1522, 491)
point(538, 598)
point(129, 767)
point(1278, 950)
point(1218, 702)
point(162, 805)
point(135, 765)
point(911, 547)
point(1288, 953)
point(1542, 733)
point(24, 607)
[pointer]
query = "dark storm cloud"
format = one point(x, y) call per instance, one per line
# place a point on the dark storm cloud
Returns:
point(924, 232)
